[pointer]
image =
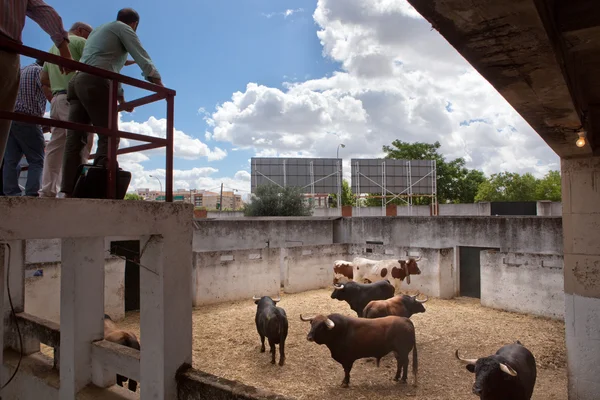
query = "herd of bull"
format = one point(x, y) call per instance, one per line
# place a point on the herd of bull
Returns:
point(383, 326)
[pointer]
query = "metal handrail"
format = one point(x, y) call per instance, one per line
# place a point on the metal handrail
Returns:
point(111, 131)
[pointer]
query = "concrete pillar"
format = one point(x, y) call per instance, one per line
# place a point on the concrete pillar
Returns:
point(581, 232)
point(544, 208)
point(81, 311)
point(391, 210)
point(484, 208)
point(166, 313)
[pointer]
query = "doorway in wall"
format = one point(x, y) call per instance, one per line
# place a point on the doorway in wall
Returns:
point(470, 270)
point(130, 249)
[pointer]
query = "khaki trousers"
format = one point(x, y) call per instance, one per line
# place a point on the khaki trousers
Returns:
point(55, 149)
point(9, 88)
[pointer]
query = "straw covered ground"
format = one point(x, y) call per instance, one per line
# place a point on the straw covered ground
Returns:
point(226, 344)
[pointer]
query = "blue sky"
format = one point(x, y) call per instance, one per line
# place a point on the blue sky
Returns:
point(206, 51)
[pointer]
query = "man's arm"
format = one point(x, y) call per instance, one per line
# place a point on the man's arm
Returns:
point(49, 20)
point(45, 79)
point(132, 44)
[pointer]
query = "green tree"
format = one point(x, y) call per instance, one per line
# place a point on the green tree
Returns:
point(348, 198)
point(272, 201)
point(508, 186)
point(549, 187)
point(133, 196)
point(455, 183)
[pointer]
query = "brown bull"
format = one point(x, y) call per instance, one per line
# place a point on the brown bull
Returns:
point(400, 306)
point(113, 334)
point(350, 339)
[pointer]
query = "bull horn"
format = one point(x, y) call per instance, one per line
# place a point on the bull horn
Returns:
point(338, 287)
point(422, 301)
point(277, 300)
point(418, 258)
point(506, 369)
point(470, 361)
point(302, 318)
point(331, 325)
point(416, 295)
point(255, 298)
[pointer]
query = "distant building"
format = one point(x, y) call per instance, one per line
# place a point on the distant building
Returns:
point(199, 198)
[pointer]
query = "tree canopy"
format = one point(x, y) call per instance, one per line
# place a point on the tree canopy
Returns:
point(274, 201)
point(510, 186)
point(132, 196)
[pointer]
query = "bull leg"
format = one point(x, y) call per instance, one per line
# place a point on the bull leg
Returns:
point(346, 381)
point(132, 385)
point(262, 342)
point(281, 353)
point(378, 359)
point(272, 345)
point(120, 380)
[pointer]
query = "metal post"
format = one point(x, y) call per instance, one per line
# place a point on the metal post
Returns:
point(221, 199)
point(113, 141)
point(357, 189)
point(383, 189)
point(339, 182)
point(284, 175)
point(169, 155)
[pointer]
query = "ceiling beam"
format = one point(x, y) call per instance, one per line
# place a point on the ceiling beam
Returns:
point(577, 15)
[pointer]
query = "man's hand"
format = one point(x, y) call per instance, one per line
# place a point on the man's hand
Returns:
point(129, 62)
point(64, 51)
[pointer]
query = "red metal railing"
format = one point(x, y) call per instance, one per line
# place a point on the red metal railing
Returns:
point(112, 130)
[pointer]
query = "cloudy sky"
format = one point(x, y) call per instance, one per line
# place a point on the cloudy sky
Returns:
point(296, 78)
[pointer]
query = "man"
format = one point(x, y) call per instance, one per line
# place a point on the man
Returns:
point(12, 21)
point(107, 47)
point(55, 83)
point(26, 139)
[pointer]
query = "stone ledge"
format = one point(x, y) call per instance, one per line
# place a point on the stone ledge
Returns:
point(197, 385)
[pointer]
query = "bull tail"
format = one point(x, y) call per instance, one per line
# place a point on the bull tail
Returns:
point(415, 362)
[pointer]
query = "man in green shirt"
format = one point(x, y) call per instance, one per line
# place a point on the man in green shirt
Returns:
point(54, 84)
point(107, 47)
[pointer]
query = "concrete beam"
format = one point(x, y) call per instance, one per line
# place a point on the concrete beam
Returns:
point(507, 42)
point(47, 218)
point(577, 15)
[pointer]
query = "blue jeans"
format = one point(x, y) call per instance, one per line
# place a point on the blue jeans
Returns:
point(24, 139)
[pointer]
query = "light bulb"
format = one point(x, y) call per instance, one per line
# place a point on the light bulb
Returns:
point(580, 142)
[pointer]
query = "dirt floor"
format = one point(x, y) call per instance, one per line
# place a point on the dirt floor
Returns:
point(226, 344)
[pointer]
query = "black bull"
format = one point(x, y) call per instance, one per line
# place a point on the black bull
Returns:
point(350, 339)
point(272, 323)
point(508, 374)
point(358, 295)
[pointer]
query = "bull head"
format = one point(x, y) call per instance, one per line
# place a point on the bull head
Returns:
point(277, 300)
point(470, 362)
point(329, 323)
point(419, 301)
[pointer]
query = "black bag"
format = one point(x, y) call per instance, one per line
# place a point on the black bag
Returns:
point(92, 181)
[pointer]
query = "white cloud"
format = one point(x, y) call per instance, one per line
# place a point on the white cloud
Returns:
point(185, 146)
point(287, 13)
point(399, 79)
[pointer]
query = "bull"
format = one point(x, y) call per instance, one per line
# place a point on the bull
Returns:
point(363, 270)
point(508, 374)
point(272, 323)
point(358, 295)
point(124, 338)
point(400, 306)
point(350, 339)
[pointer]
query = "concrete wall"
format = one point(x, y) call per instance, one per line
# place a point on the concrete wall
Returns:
point(42, 293)
point(259, 232)
point(309, 268)
point(219, 276)
point(520, 282)
point(224, 214)
point(516, 234)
